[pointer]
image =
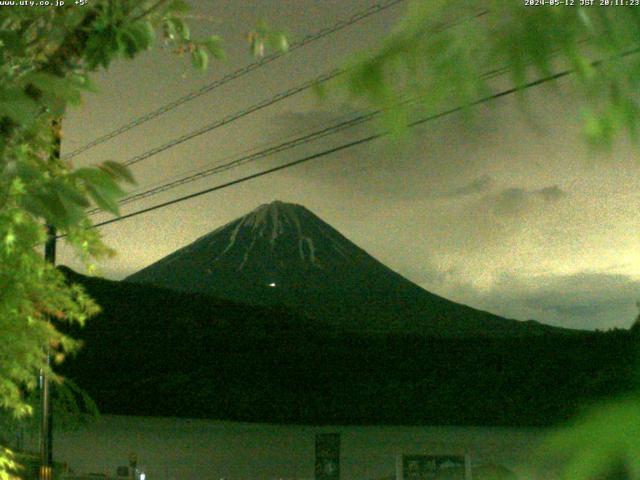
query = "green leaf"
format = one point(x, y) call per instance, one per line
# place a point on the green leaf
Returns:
point(143, 35)
point(598, 129)
point(83, 82)
point(69, 193)
point(35, 207)
point(278, 41)
point(262, 27)
point(213, 44)
point(12, 42)
point(320, 90)
point(46, 205)
point(60, 215)
point(257, 47)
point(169, 30)
point(99, 179)
point(135, 38)
point(200, 59)
point(127, 44)
point(103, 201)
point(28, 173)
point(75, 212)
point(179, 28)
point(179, 7)
point(118, 171)
point(150, 32)
point(15, 104)
point(102, 188)
point(368, 79)
point(102, 47)
point(54, 86)
point(599, 444)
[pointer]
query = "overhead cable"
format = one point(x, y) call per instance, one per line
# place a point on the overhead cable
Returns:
point(324, 132)
point(260, 105)
point(307, 138)
point(372, 10)
point(235, 116)
point(330, 151)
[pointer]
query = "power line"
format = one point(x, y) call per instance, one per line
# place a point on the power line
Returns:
point(372, 10)
point(336, 149)
point(233, 157)
point(326, 131)
point(258, 106)
point(248, 158)
point(241, 180)
point(235, 116)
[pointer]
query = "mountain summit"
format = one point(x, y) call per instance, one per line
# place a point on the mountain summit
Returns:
point(281, 253)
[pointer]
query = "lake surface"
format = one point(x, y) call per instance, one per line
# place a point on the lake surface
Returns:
point(178, 449)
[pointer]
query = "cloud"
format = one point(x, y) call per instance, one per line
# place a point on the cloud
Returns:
point(551, 194)
point(427, 166)
point(498, 222)
point(584, 294)
point(510, 201)
point(515, 200)
point(479, 185)
point(585, 300)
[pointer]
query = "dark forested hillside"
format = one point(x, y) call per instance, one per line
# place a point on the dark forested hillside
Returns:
point(158, 352)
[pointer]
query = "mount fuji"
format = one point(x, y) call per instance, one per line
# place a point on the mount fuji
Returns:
point(283, 254)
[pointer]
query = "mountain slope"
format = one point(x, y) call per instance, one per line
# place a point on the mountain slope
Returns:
point(282, 253)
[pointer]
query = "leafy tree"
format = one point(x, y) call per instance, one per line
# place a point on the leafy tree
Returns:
point(445, 54)
point(46, 57)
point(73, 407)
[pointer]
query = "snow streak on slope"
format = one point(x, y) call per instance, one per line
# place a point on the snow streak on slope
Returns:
point(270, 221)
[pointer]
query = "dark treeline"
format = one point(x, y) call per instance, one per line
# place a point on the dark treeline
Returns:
point(157, 352)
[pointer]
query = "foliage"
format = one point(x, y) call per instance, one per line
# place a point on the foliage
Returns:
point(264, 37)
point(8, 465)
point(27, 465)
point(600, 444)
point(46, 56)
point(442, 52)
point(72, 405)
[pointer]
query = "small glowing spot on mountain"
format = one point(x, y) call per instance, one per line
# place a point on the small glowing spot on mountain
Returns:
point(272, 284)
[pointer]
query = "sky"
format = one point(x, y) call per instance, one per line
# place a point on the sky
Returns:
point(510, 213)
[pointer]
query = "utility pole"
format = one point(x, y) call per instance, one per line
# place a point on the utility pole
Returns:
point(46, 420)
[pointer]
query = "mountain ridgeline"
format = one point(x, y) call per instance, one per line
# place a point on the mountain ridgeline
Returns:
point(158, 352)
point(283, 254)
point(276, 317)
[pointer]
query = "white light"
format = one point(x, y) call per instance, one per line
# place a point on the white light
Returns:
point(272, 284)
point(142, 476)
